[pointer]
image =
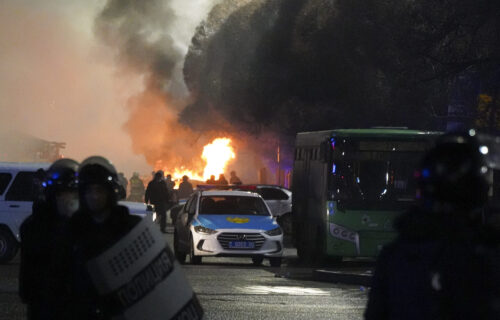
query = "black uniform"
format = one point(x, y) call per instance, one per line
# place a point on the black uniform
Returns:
point(185, 190)
point(45, 266)
point(436, 270)
point(157, 194)
point(90, 239)
point(444, 263)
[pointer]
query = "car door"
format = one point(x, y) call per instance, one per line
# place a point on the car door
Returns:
point(18, 200)
point(183, 221)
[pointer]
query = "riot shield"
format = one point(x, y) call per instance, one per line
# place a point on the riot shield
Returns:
point(139, 278)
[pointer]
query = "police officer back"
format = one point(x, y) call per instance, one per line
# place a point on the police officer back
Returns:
point(444, 263)
point(45, 266)
point(158, 195)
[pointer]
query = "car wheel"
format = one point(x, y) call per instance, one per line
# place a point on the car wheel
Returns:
point(275, 262)
point(257, 261)
point(181, 256)
point(192, 258)
point(8, 246)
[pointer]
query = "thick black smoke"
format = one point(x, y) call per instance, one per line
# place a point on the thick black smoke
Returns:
point(139, 33)
point(294, 65)
point(144, 36)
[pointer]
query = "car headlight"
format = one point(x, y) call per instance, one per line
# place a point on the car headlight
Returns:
point(274, 232)
point(202, 229)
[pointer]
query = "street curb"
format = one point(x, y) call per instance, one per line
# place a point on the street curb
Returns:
point(342, 277)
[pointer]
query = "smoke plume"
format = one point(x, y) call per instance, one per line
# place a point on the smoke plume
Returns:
point(151, 38)
point(56, 83)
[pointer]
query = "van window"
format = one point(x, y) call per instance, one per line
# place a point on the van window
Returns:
point(22, 189)
point(4, 181)
point(272, 194)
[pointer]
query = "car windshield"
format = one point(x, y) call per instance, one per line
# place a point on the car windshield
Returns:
point(233, 205)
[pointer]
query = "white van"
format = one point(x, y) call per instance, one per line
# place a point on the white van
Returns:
point(16, 201)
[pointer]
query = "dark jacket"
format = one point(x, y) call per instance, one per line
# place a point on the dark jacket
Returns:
point(437, 268)
point(45, 266)
point(157, 194)
point(91, 239)
point(185, 190)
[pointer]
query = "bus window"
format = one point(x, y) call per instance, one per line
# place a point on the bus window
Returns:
point(370, 179)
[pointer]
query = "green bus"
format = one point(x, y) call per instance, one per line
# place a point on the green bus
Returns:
point(348, 187)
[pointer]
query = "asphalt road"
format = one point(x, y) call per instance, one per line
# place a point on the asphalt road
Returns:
point(231, 288)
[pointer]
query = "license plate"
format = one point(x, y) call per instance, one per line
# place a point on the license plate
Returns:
point(241, 245)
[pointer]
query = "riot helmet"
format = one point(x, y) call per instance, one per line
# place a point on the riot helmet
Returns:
point(97, 170)
point(61, 187)
point(453, 176)
point(61, 175)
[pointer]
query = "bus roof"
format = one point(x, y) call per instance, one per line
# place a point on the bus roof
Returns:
point(317, 136)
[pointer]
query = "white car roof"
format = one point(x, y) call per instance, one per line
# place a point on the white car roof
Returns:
point(230, 193)
point(20, 166)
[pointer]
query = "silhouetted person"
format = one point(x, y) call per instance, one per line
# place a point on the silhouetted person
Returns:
point(171, 191)
point(158, 195)
point(170, 184)
point(45, 267)
point(222, 180)
point(444, 263)
point(38, 189)
point(233, 179)
point(212, 180)
point(122, 180)
point(185, 188)
point(136, 188)
point(98, 225)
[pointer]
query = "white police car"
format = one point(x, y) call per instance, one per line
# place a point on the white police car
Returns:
point(227, 223)
point(16, 202)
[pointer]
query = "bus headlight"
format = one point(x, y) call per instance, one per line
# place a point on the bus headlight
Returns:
point(274, 232)
point(204, 230)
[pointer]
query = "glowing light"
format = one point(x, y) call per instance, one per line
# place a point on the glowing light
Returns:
point(484, 149)
point(289, 290)
point(217, 155)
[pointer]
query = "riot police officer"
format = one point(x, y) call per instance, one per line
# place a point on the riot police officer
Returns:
point(444, 262)
point(99, 224)
point(45, 268)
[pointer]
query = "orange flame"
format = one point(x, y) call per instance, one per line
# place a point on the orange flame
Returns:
point(216, 155)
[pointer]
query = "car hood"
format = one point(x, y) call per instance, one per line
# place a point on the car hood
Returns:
point(235, 221)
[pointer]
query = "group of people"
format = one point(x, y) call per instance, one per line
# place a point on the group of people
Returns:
point(75, 218)
point(222, 180)
point(160, 192)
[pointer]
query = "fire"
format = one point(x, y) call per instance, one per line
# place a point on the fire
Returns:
point(216, 156)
